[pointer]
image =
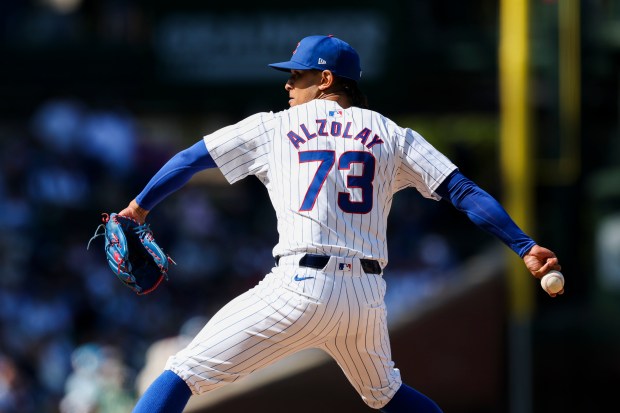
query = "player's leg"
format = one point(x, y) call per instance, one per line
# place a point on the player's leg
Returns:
point(261, 326)
point(167, 394)
point(240, 338)
point(361, 346)
point(362, 349)
point(408, 399)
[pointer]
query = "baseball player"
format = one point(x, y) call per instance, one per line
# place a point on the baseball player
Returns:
point(331, 167)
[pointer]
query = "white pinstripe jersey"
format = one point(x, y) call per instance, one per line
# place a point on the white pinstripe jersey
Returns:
point(331, 173)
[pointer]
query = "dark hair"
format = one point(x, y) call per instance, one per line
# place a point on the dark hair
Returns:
point(351, 88)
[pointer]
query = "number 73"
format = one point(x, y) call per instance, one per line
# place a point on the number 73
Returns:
point(326, 160)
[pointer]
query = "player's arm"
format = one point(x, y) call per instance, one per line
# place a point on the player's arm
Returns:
point(171, 177)
point(484, 211)
point(487, 213)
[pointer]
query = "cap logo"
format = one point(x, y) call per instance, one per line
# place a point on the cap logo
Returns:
point(322, 61)
point(296, 47)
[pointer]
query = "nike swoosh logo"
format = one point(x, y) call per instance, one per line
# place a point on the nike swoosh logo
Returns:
point(298, 278)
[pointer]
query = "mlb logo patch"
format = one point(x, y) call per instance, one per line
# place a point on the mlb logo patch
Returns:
point(335, 113)
point(344, 267)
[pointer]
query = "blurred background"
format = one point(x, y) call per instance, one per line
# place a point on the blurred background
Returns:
point(96, 95)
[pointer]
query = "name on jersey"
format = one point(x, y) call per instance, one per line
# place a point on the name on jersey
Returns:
point(334, 129)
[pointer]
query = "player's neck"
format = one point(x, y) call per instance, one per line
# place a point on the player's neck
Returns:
point(340, 97)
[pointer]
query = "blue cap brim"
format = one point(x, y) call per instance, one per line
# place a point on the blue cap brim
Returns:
point(288, 66)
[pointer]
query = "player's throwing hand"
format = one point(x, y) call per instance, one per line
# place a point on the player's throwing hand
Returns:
point(539, 261)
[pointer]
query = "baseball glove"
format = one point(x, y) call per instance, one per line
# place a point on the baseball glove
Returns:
point(132, 253)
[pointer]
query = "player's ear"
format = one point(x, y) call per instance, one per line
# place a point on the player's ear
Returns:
point(327, 80)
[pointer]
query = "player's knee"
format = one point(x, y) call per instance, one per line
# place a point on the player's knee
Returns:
point(200, 376)
point(378, 397)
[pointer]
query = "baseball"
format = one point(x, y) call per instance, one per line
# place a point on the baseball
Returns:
point(552, 282)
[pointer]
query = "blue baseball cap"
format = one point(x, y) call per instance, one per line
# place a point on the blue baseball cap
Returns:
point(324, 53)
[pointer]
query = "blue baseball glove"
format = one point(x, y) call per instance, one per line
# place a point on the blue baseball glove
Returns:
point(133, 254)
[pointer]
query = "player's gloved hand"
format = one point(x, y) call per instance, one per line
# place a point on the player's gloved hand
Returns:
point(132, 253)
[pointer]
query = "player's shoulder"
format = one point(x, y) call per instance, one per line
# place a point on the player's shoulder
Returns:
point(377, 118)
point(256, 119)
point(367, 112)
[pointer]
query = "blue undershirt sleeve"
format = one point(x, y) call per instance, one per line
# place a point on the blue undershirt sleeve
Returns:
point(484, 211)
point(175, 173)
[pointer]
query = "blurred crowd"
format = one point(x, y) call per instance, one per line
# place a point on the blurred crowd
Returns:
point(73, 339)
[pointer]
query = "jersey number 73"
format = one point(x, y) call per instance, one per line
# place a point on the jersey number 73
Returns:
point(326, 160)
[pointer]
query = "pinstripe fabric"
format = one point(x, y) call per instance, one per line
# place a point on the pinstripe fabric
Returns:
point(331, 174)
point(260, 145)
point(340, 312)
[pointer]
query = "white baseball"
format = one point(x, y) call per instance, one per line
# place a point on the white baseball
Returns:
point(552, 282)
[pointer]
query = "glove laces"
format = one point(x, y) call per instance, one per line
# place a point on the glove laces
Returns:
point(144, 231)
point(97, 234)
